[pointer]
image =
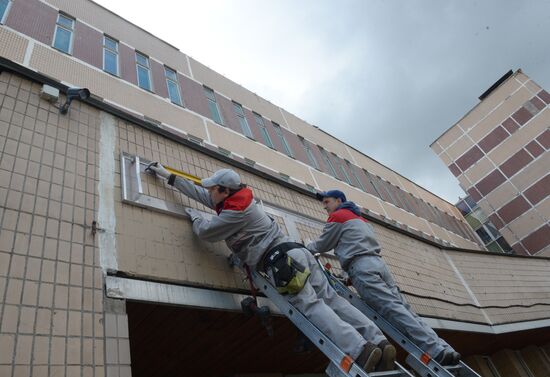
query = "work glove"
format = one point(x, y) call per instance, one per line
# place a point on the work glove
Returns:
point(193, 214)
point(158, 169)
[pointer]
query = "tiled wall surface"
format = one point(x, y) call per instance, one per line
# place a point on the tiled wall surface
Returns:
point(160, 246)
point(52, 312)
point(499, 153)
point(54, 317)
point(84, 68)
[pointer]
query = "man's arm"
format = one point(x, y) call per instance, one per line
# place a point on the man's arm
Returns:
point(328, 239)
point(190, 189)
point(220, 227)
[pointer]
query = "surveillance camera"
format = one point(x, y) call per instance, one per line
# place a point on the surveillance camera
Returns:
point(73, 93)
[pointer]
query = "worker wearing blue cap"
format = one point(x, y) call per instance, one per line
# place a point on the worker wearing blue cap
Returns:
point(358, 251)
point(258, 242)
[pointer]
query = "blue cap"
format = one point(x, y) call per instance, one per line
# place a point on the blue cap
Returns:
point(336, 194)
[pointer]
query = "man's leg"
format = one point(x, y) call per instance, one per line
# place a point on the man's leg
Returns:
point(321, 315)
point(342, 307)
point(374, 283)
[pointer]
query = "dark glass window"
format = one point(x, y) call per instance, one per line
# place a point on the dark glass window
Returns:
point(242, 120)
point(173, 86)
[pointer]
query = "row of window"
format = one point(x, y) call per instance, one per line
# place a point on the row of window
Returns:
point(338, 168)
point(487, 232)
point(63, 41)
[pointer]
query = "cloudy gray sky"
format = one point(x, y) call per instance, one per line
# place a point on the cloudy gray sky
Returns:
point(386, 77)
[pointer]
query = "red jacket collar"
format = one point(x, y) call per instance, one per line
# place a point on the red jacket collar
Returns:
point(239, 201)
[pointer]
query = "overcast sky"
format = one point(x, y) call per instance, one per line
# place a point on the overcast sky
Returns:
point(386, 77)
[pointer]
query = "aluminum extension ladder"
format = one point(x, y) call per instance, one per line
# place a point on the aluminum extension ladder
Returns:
point(341, 364)
point(417, 359)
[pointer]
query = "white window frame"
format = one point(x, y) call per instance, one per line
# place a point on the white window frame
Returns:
point(361, 186)
point(116, 52)
point(213, 100)
point(328, 162)
point(57, 26)
point(265, 134)
point(168, 79)
point(148, 71)
point(243, 122)
point(309, 153)
point(286, 146)
point(5, 15)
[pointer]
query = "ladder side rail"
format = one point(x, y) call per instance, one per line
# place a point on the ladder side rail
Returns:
point(321, 341)
point(431, 367)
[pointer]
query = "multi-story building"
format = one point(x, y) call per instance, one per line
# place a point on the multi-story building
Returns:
point(100, 274)
point(499, 153)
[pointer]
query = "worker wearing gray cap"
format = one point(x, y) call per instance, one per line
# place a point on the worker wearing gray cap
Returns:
point(353, 241)
point(258, 242)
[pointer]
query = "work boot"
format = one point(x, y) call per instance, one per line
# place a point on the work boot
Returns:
point(447, 357)
point(388, 356)
point(456, 358)
point(369, 357)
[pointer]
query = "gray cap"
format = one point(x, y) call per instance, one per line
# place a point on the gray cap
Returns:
point(224, 177)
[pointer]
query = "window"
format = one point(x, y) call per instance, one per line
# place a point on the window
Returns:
point(172, 85)
point(213, 105)
point(110, 55)
point(242, 120)
point(328, 163)
point(354, 173)
point(312, 160)
point(263, 130)
point(63, 37)
point(281, 136)
point(343, 170)
point(4, 7)
point(143, 72)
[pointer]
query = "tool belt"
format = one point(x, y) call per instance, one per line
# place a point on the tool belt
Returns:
point(289, 275)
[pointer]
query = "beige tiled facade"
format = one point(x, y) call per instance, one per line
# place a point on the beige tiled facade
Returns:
point(61, 174)
point(499, 153)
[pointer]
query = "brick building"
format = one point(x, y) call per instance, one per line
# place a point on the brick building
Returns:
point(100, 275)
point(499, 153)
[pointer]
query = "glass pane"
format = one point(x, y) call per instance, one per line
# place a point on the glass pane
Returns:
point(504, 245)
point(143, 78)
point(170, 74)
point(474, 223)
point(215, 112)
point(492, 229)
point(345, 175)
point(110, 64)
point(111, 44)
point(142, 60)
point(209, 94)
point(62, 39)
point(470, 201)
point(173, 92)
point(483, 235)
point(3, 7)
point(259, 120)
point(238, 109)
point(494, 247)
point(246, 129)
point(266, 137)
point(288, 151)
point(65, 21)
point(463, 207)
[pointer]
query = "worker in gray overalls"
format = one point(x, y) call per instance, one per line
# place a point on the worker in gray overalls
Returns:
point(258, 242)
point(355, 245)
